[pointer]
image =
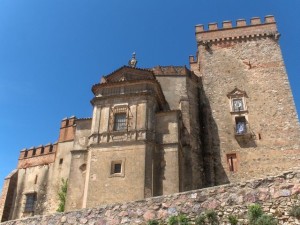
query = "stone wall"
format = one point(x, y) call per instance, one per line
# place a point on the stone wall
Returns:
point(276, 195)
point(247, 58)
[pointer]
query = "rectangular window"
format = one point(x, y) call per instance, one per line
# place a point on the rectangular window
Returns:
point(30, 202)
point(42, 150)
point(61, 161)
point(232, 162)
point(237, 105)
point(117, 168)
point(34, 151)
point(240, 124)
point(120, 122)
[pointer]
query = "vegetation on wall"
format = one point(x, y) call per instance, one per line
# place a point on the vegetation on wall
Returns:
point(256, 216)
point(62, 195)
point(295, 211)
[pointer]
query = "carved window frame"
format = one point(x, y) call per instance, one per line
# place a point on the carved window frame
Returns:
point(118, 109)
point(237, 95)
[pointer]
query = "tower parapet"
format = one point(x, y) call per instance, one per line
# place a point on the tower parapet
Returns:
point(241, 30)
point(34, 156)
point(67, 129)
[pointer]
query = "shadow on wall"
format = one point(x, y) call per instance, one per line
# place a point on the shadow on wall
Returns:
point(213, 169)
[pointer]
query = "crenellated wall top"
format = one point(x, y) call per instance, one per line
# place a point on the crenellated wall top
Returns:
point(229, 32)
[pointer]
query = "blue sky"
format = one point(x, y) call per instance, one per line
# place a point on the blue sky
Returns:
point(53, 51)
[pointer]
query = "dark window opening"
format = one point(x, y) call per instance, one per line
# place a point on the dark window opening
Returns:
point(120, 122)
point(25, 154)
point(232, 162)
point(51, 148)
point(42, 150)
point(259, 136)
point(67, 123)
point(35, 180)
point(30, 202)
point(61, 161)
point(34, 151)
point(237, 105)
point(117, 168)
point(240, 125)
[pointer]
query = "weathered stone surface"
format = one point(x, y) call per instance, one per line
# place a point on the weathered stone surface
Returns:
point(275, 196)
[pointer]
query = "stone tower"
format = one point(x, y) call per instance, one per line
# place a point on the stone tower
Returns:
point(250, 123)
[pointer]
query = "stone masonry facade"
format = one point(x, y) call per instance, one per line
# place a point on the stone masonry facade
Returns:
point(228, 118)
point(276, 195)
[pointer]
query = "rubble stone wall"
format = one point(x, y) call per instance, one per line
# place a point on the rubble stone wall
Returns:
point(276, 195)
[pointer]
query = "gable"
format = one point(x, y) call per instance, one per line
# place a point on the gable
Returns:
point(236, 92)
point(126, 73)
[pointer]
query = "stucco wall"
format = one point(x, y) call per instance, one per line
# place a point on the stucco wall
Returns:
point(276, 195)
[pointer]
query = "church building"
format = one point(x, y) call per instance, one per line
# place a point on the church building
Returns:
point(228, 117)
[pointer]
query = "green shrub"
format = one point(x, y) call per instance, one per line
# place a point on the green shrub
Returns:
point(233, 220)
point(200, 220)
point(254, 212)
point(179, 220)
point(295, 211)
point(172, 220)
point(62, 195)
point(153, 222)
point(183, 219)
point(212, 217)
point(266, 220)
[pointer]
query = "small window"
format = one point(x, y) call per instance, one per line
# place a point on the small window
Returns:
point(51, 148)
point(232, 162)
point(30, 202)
point(237, 105)
point(61, 161)
point(120, 122)
point(34, 151)
point(117, 168)
point(36, 178)
point(240, 125)
point(42, 150)
point(25, 154)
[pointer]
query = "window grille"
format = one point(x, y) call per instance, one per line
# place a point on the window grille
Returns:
point(120, 122)
point(30, 202)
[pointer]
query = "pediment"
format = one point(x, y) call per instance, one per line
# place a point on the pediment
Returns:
point(236, 92)
point(126, 73)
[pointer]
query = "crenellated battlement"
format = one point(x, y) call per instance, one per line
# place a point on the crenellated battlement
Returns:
point(67, 129)
point(229, 32)
point(40, 155)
